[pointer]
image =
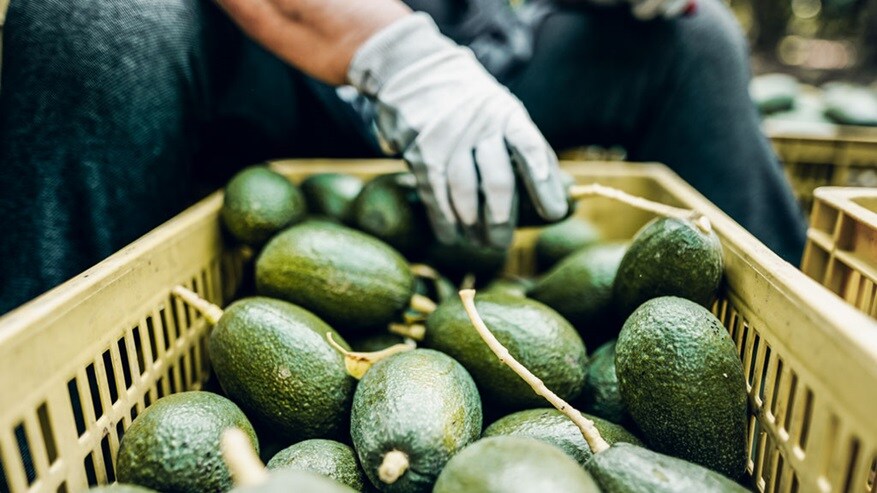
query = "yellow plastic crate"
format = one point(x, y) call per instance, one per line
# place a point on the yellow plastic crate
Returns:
point(115, 339)
point(838, 156)
point(841, 251)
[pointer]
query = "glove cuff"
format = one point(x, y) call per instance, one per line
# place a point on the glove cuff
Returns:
point(392, 49)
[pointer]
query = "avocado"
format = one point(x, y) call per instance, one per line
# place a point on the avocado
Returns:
point(558, 240)
point(601, 396)
point(420, 406)
point(327, 457)
point(296, 481)
point(120, 488)
point(272, 358)
point(509, 286)
point(626, 468)
point(330, 195)
point(461, 258)
point(536, 335)
point(435, 289)
point(774, 92)
point(553, 427)
point(389, 208)
point(350, 279)
point(528, 216)
point(513, 464)
point(850, 104)
point(258, 203)
point(173, 445)
point(683, 384)
point(375, 342)
point(579, 287)
point(669, 257)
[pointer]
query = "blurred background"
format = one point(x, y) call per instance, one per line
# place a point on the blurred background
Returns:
point(815, 40)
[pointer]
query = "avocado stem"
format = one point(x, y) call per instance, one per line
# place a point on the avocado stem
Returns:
point(589, 431)
point(394, 465)
point(411, 317)
point(241, 459)
point(422, 304)
point(412, 331)
point(212, 313)
point(357, 363)
point(425, 271)
point(579, 192)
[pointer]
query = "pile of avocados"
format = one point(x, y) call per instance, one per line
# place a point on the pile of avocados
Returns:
point(345, 269)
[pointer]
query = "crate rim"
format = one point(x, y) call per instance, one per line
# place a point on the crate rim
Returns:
point(844, 198)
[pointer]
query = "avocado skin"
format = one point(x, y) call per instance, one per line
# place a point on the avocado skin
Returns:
point(173, 445)
point(513, 464)
point(557, 241)
point(420, 402)
point(330, 195)
point(683, 384)
point(296, 481)
point(258, 203)
point(669, 257)
point(534, 334)
point(327, 457)
point(375, 342)
point(553, 427)
point(601, 396)
point(579, 287)
point(389, 208)
point(463, 257)
point(516, 287)
point(626, 468)
point(348, 278)
point(272, 358)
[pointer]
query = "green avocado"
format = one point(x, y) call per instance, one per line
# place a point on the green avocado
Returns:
point(258, 203)
point(774, 92)
point(534, 334)
point(419, 403)
point(669, 257)
point(375, 342)
point(626, 468)
point(349, 279)
point(389, 209)
point(173, 445)
point(553, 427)
point(462, 258)
point(557, 241)
point(296, 481)
point(528, 215)
point(509, 286)
point(327, 457)
point(601, 396)
point(330, 195)
point(273, 358)
point(513, 464)
point(683, 384)
point(579, 287)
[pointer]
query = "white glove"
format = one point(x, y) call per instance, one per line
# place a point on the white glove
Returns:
point(649, 9)
point(459, 130)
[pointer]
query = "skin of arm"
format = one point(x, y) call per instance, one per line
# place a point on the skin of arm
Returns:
point(319, 37)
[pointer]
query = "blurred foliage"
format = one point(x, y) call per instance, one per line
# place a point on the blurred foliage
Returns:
point(816, 40)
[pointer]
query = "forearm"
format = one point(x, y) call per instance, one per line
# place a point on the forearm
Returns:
point(319, 37)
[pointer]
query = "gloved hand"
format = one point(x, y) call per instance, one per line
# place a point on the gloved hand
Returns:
point(649, 9)
point(459, 129)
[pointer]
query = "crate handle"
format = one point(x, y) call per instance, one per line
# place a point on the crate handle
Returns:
point(589, 431)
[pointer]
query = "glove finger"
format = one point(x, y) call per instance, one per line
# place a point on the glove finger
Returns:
point(673, 8)
point(537, 165)
point(463, 186)
point(498, 185)
point(647, 9)
point(433, 190)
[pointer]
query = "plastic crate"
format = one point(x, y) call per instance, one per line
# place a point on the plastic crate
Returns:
point(115, 340)
point(833, 156)
point(841, 251)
